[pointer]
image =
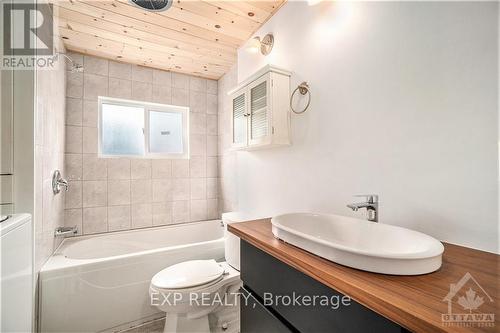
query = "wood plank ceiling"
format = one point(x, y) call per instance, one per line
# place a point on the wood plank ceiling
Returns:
point(194, 37)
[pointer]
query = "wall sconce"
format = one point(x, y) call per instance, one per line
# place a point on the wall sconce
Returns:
point(265, 45)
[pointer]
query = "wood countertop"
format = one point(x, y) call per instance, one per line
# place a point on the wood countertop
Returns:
point(414, 302)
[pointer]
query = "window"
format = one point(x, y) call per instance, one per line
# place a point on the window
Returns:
point(139, 129)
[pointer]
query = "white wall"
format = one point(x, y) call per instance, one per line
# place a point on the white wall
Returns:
point(404, 106)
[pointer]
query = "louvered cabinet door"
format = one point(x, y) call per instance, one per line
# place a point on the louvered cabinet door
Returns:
point(260, 129)
point(239, 120)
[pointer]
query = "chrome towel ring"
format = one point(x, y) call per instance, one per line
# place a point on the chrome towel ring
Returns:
point(303, 89)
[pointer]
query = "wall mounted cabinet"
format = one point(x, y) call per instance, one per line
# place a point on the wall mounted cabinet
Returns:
point(261, 111)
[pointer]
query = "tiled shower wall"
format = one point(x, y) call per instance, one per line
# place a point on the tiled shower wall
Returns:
point(49, 156)
point(227, 157)
point(110, 194)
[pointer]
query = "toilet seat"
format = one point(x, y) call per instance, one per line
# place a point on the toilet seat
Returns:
point(188, 274)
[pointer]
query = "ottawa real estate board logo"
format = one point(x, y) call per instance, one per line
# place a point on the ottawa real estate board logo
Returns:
point(27, 35)
point(465, 299)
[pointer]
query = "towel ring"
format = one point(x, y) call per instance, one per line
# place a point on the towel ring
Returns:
point(303, 89)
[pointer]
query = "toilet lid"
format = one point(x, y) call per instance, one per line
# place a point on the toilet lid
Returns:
point(188, 274)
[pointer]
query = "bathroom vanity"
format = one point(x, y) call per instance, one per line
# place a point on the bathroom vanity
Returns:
point(274, 272)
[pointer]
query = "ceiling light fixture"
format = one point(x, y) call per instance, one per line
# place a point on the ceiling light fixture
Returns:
point(153, 5)
point(264, 46)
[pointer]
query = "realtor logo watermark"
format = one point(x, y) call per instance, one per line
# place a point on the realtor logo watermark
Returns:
point(465, 299)
point(28, 36)
point(232, 299)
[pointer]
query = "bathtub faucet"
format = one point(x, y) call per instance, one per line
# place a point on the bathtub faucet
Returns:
point(65, 231)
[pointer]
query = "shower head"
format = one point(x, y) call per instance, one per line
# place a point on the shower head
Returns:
point(75, 68)
point(153, 5)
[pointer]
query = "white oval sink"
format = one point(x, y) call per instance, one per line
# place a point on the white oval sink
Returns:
point(369, 246)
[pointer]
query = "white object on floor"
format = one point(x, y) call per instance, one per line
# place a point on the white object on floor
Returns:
point(16, 286)
point(369, 246)
point(188, 304)
point(202, 278)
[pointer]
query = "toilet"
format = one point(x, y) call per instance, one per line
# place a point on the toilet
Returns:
point(202, 295)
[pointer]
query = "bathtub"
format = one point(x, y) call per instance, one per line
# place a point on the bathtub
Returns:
point(100, 282)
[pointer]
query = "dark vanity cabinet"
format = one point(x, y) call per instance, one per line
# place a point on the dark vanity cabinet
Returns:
point(278, 298)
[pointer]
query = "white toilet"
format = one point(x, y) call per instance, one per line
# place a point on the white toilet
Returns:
point(201, 295)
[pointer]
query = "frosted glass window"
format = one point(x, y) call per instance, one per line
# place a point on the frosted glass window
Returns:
point(165, 132)
point(141, 129)
point(122, 130)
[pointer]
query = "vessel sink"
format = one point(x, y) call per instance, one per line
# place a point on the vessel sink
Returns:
point(369, 246)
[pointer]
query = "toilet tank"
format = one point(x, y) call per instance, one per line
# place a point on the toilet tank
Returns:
point(232, 242)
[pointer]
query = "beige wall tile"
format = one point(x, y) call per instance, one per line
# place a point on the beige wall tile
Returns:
point(119, 218)
point(212, 170)
point(212, 124)
point(73, 139)
point(120, 70)
point(118, 192)
point(89, 113)
point(211, 145)
point(141, 91)
point(198, 188)
point(142, 215)
point(211, 101)
point(169, 184)
point(94, 193)
point(140, 191)
point(198, 123)
point(180, 81)
point(161, 94)
point(94, 65)
point(162, 190)
point(73, 198)
point(73, 165)
point(95, 220)
point(142, 74)
point(140, 168)
point(198, 166)
point(180, 211)
point(197, 102)
point(212, 87)
point(180, 168)
point(162, 78)
point(94, 168)
point(72, 218)
point(213, 209)
point(94, 86)
point(212, 188)
point(119, 88)
point(197, 84)
point(89, 138)
point(74, 85)
point(74, 111)
point(161, 169)
point(198, 144)
point(180, 97)
point(119, 168)
point(198, 210)
point(162, 213)
point(181, 189)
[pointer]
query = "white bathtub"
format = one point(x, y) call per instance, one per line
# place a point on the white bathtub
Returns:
point(100, 283)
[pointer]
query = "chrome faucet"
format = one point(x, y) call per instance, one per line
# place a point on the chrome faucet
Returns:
point(371, 205)
point(58, 182)
point(65, 231)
